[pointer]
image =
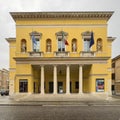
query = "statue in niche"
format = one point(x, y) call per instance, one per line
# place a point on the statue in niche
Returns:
point(74, 47)
point(48, 48)
point(23, 46)
point(99, 45)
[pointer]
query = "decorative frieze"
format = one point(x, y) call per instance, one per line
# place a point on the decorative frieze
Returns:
point(61, 15)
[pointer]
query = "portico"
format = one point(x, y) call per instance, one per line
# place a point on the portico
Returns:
point(61, 74)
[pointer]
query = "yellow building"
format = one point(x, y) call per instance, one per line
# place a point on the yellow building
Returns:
point(60, 52)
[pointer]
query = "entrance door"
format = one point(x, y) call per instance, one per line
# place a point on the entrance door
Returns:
point(50, 87)
point(60, 87)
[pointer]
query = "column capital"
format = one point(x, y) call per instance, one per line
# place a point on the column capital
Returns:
point(55, 65)
point(81, 65)
point(42, 65)
point(68, 64)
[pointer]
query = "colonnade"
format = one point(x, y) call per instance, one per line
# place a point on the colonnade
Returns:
point(67, 79)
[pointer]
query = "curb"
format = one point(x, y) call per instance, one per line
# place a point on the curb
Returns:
point(61, 104)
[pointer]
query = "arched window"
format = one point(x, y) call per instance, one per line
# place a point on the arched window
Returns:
point(74, 45)
point(23, 45)
point(99, 44)
point(48, 45)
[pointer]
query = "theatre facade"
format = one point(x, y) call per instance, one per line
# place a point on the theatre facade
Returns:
point(60, 53)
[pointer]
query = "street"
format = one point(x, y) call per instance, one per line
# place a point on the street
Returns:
point(59, 112)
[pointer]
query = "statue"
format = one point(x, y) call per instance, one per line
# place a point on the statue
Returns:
point(99, 45)
point(23, 47)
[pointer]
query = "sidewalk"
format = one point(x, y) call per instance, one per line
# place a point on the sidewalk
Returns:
point(86, 100)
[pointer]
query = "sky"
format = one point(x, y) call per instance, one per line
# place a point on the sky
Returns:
point(7, 24)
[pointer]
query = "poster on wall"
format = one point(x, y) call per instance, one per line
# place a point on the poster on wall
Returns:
point(99, 85)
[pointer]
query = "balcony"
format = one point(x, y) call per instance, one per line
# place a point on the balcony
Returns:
point(36, 54)
point(61, 54)
point(87, 54)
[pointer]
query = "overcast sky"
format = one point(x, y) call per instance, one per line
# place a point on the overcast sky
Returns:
point(7, 24)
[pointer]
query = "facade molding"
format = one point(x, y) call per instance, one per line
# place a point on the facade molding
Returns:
point(111, 38)
point(60, 33)
point(60, 25)
point(12, 69)
point(10, 39)
point(23, 75)
point(35, 33)
point(60, 61)
point(98, 74)
point(62, 15)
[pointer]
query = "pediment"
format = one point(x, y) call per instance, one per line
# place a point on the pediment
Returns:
point(60, 33)
point(87, 33)
point(35, 33)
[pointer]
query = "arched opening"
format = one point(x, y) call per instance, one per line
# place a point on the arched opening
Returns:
point(23, 45)
point(99, 44)
point(48, 45)
point(74, 45)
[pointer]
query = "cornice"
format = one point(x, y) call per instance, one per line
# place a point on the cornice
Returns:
point(10, 39)
point(111, 38)
point(61, 60)
point(62, 15)
point(35, 33)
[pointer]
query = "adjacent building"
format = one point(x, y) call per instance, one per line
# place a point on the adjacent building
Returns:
point(60, 52)
point(4, 79)
point(116, 75)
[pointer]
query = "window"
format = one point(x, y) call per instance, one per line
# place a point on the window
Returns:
point(113, 65)
point(87, 39)
point(35, 38)
point(86, 44)
point(113, 76)
point(113, 87)
point(23, 45)
point(23, 85)
point(61, 44)
point(99, 85)
point(36, 45)
point(48, 45)
point(77, 85)
point(74, 45)
point(62, 40)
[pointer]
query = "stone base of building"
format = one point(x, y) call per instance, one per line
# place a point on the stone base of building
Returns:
point(60, 97)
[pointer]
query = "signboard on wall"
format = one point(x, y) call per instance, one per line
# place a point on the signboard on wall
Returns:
point(99, 85)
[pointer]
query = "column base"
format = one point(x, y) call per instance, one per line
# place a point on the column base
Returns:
point(67, 93)
point(80, 93)
point(42, 93)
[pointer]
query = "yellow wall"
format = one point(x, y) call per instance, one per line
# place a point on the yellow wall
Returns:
point(48, 28)
point(74, 31)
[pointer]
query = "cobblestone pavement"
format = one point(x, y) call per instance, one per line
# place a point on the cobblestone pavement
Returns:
point(59, 112)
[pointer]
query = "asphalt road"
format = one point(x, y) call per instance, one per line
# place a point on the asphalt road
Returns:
point(59, 112)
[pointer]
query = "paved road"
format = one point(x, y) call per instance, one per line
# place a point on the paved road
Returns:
point(59, 112)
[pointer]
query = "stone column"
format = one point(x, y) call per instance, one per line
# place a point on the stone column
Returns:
point(68, 79)
point(80, 79)
point(42, 79)
point(55, 79)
